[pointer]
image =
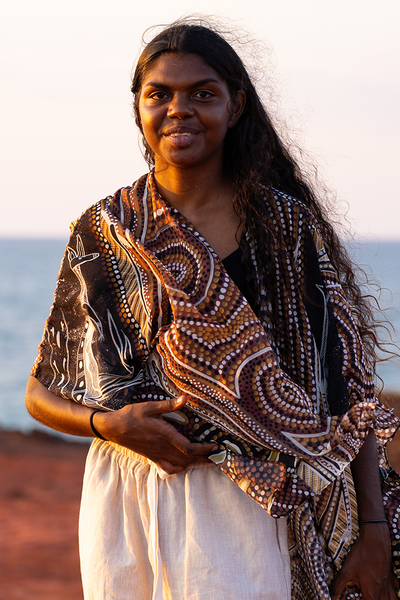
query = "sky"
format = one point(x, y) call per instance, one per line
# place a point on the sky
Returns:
point(67, 133)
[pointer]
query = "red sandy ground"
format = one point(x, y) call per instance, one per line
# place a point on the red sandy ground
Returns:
point(40, 486)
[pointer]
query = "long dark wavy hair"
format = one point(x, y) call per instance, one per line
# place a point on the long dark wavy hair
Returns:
point(255, 156)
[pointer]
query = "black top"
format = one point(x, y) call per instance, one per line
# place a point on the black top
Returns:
point(234, 268)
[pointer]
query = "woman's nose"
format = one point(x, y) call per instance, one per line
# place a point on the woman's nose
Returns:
point(180, 107)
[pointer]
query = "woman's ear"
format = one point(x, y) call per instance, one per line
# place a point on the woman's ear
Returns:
point(235, 107)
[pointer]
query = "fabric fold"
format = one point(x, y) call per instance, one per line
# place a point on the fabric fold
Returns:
point(144, 310)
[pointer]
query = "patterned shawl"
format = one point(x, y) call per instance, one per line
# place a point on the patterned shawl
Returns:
point(144, 310)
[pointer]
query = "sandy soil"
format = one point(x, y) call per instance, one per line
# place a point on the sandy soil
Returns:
point(40, 486)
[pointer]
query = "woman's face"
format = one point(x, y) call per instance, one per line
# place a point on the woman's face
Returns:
point(186, 109)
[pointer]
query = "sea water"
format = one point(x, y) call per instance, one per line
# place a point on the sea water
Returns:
point(28, 272)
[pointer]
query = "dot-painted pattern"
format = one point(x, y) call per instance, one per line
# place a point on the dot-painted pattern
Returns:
point(144, 310)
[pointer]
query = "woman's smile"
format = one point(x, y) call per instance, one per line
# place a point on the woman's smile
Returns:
point(181, 137)
point(186, 110)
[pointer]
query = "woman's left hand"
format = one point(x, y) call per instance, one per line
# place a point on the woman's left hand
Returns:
point(369, 565)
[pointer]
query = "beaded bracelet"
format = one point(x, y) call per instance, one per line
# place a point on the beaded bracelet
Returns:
point(96, 433)
point(374, 521)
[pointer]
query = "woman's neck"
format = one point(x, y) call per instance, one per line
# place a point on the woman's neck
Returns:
point(190, 190)
point(206, 200)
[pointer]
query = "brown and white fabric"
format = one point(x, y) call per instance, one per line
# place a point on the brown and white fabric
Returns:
point(145, 310)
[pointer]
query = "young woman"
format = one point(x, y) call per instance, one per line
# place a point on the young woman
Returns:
point(201, 331)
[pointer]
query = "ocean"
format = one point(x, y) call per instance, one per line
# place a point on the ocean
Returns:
point(28, 272)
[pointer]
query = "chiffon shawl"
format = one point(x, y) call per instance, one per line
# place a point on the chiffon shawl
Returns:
point(144, 310)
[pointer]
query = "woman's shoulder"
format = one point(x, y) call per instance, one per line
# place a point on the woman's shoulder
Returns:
point(292, 213)
point(291, 204)
point(118, 205)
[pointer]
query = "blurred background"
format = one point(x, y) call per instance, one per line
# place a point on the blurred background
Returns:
point(331, 81)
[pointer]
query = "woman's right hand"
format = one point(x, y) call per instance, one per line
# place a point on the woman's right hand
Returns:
point(140, 427)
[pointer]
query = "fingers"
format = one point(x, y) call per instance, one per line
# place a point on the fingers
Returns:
point(195, 448)
point(183, 445)
point(172, 468)
point(387, 591)
point(175, 438)
point(164, 406)
point(335, 590)
point(169, 468)
point(141, 428)
point(338, 584)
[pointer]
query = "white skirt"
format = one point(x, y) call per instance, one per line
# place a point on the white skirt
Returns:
point(190, 536)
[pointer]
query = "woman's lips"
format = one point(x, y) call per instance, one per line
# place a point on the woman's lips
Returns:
point(181, 139)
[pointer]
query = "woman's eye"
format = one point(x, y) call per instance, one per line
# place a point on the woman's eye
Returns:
point(158, 95)
point(203, 94)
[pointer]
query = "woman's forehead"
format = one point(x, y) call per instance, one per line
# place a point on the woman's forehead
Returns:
point(176, 69)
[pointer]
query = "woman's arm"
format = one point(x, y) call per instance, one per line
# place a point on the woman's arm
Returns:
point(369, 562)
point(138, 427)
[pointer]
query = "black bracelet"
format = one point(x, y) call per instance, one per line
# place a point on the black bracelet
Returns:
point(96, 433)
point(374, 521)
